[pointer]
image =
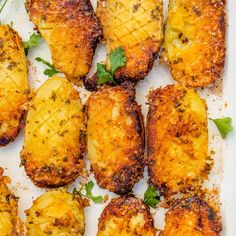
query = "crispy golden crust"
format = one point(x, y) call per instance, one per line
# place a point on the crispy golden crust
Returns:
point(192, 217)
point(56, 213)
point(126, 216)
point(72, 31)
point(115, 138)
point(137, 27)
point(10, 224)
point(14, 88)
point(177, 140)
point(54, 135)
point(195, 41)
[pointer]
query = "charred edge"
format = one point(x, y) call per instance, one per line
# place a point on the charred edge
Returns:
point(121, 75)
point(50, 176)
point(91, 84)
point(199, 205)
point(127, 177)
point(130, 175)
point(124, 205)
point(4, 140)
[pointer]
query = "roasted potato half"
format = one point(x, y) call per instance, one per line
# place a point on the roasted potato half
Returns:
point(177, 140)
point(54, 135)
point(10, 224)
point(137, 26)
point(56, 213)
point(14, 87)
point(126, 216)
point(194, 41)
point(115, 138)
point(192, 217)
point(71, 30)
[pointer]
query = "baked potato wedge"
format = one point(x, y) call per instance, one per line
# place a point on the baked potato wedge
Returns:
point(54, 135)
point(194, 41)
point(10, 224)
point(14, 88)
point(192, 217)
point(177, 140)
point(115, 138)
point(71, 30)
point(137, 26)
point(56, 213)
point(126, 216)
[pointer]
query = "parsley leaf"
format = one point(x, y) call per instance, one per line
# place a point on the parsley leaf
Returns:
point(88, 189)
point(32, 42)
point(49, 72)
point(103, 75)
point(117, 60)
point(151, 197)
point(224, 125)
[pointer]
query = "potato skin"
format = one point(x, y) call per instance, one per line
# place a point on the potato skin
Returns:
point(54, 135)
point(177, 140)
point(72, 31)
point(126, 216)
point(137, 26)
point(194, 41)
point(56, 213)
point(115, 138)
point(10, 224)
point(192, 217)
point(14, 87)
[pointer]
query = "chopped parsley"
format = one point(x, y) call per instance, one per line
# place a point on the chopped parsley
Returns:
point(87, 188)
point(49, 72)
point(151, 197)
point(117, 60)
point(32, 42)
point(224, 126)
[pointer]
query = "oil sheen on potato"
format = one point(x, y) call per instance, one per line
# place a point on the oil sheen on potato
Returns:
point(177, 140)
point(14, 89)
point(54, 135)
point(56, 213)
point(115, 138)
point(194, 41)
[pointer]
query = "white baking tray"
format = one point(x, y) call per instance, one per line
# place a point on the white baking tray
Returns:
point(223, 175)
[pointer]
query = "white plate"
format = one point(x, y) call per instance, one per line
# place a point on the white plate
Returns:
point(223, 174)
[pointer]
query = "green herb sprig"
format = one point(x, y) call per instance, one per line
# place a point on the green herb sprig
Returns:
point(151, 197)
point(224, 125)
point(88, 192)
point(51, 71)
point(117, 60)
point(32, 42)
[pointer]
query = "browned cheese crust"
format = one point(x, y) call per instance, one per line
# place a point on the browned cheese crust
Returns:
point(54, 135)
point(195, 41)
point(10, 224)
point(177, 140)
point(14, 87)
point(192, 217)
point(137, 26)
point(126, 216)
point(115, 137)
point(72, 31)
